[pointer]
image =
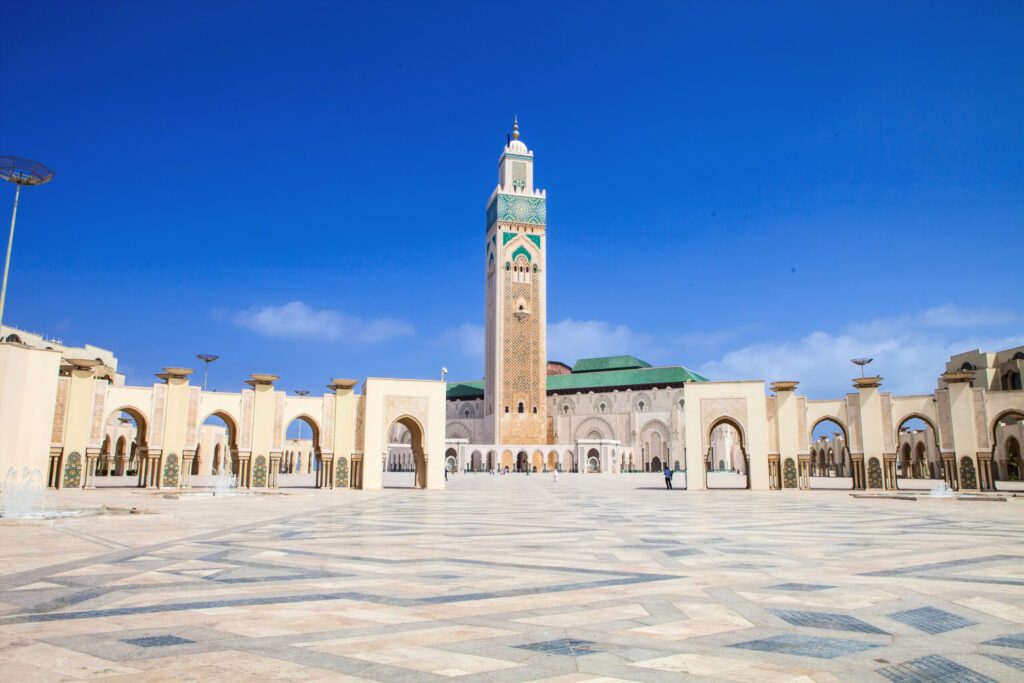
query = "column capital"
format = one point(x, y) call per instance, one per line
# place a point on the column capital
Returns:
point(174, 373)
point(867, 382)
point(261, 379)
point(342, 384)
point(957, 376)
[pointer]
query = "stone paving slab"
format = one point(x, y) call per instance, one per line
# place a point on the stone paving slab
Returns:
point(595, 578)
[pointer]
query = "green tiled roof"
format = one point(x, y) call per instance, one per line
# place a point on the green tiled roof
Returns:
point(609, 363)
point(473, 389)
point(643, 375)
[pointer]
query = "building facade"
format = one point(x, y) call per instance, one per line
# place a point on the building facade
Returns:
point(620, 414)
point(66, 414)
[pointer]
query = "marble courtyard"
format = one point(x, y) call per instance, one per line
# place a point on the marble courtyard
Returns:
point(515, 578)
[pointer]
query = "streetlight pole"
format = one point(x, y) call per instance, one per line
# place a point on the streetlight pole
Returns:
point(861, 362)
point(206, 358)
point(20, 172)
point(301, 393)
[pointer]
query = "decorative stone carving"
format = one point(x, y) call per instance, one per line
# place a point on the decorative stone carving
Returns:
point(245, 438)
point(981, 421)
point(856, 435)
point(945, 415)
point(192, 420)
point(156, 426)
point(278, 420)
point(99, 395)
point(327, 424)
point(888, 434)
point(60, 411)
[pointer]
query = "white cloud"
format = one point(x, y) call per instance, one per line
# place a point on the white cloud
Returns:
point(467, 338)
point(910, 352)
point(296, 319)
point(569, 340)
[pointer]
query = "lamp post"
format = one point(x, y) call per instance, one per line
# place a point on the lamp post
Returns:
point(861, 362)
point(20, 172)
point(206, 358)
point(301, 393)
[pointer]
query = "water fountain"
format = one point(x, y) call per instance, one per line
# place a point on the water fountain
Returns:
point(941, 491)
point(225, 483)
point(23, 496)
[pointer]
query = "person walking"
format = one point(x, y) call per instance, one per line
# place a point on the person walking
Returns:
point(668, 477)
point(554, 474)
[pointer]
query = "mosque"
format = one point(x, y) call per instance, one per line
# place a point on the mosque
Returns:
point(619, 414)
point(68, 417)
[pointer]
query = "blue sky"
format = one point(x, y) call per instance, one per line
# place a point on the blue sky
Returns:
point(751, 190)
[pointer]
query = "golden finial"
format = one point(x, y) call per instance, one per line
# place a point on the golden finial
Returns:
point(515, 128)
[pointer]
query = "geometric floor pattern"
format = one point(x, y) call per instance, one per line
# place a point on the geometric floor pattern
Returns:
point(516, 578)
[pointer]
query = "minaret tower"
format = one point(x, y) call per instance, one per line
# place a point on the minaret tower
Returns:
point(515, 377)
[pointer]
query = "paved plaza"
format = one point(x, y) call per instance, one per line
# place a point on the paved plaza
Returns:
point(595, 578)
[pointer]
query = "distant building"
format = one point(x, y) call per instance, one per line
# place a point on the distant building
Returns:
point(993, 371)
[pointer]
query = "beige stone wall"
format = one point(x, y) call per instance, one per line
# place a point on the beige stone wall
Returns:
point(422, 404)
point(28, 400)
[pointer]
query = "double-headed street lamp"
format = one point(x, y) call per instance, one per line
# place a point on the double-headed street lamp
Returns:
point(206, 358)
point(861, 362)
point(20, 172)
point(301, 393)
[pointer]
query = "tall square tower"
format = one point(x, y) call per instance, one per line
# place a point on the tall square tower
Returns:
point(515, 378)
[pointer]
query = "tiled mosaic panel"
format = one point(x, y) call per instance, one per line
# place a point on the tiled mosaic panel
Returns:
point(931, 620)
point(826, 620)
point(259, 471)
point(170, 470)
point(930, 669)
point(807, 646)
point(157, 641)
point(968, 479)
point(73, 471)
point(789, 474)
point(874, 474)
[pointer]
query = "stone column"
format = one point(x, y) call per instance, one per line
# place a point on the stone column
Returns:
point(790, 439)
point(273, 470)
point(55, 471)
point(949, 465)
point(185, 475)
point(857, 467)
point(79, 417)
point(153, 474)
point(985, 478)
point(965, 438)
point(92, 457)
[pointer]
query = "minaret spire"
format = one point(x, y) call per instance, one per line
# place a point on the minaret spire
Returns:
point(515, 128)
